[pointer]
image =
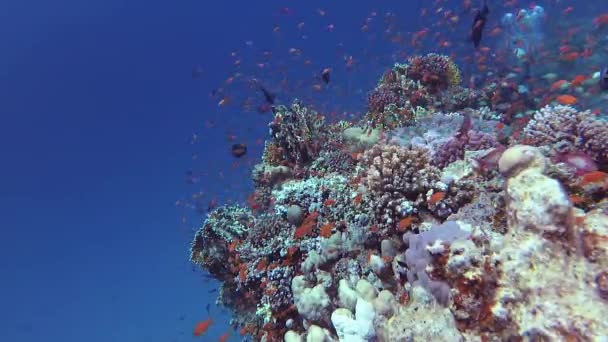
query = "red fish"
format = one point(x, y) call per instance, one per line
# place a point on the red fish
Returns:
point(202, 327)
point(594, 177)
point(566, 99)
point(570, 56)
point(577, 81)
point(558, 84)
point(601, 20)
point(225, 337)
point(436, 197)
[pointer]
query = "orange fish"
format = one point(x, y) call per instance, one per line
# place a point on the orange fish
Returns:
point(243, 273)
point(594, 177)
point(436, 197)
point(558, 85)
point(202, 327)
point(262, 265)
point(566, 99)
point(577, 81)
point(570, 56)
point(405, 223)
point(358, 199)
point(307, 226)
point(601, 20)
point(326, 230)
point(225, 337)
point(576, 199)
point(495, 32)
point(329, 202)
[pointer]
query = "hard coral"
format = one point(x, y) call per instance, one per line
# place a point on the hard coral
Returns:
point(566, 130)
point(434, 71)
point(295, 132)
point(211, 244)
point(398, 178)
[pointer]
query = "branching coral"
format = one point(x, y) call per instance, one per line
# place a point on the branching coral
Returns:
point(398, 179)
point(565, 130)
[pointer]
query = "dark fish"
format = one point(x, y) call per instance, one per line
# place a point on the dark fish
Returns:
point(325, 75)
point(239, 150)
point(212, 291)
point(212, 204)
point(604, 79)
point(268, 96)
point(478, 24)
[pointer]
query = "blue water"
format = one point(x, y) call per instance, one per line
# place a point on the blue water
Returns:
point(98, 106)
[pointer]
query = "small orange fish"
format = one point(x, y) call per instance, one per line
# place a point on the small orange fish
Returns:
point(436, 197)
point(243, 273)
point(576, 199)
point(570, 56)
point(577, 81)
point(262, 265)
point(307, 226)
point(495, 31)
point(329, 202)
point(358, 199)
point(225, 337)
point(566, 99)
point(405, 223)
point(326, 230)
point(600, 20)
point(202, 327)
point(558, 84)
point(594, 177)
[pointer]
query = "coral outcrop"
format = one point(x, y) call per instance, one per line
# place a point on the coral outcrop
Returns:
point(419, 223)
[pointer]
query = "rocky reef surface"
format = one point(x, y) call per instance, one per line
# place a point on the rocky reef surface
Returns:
point(437, 217)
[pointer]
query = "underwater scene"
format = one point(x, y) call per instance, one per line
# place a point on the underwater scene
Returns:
point(313, 171)
point(463, 199)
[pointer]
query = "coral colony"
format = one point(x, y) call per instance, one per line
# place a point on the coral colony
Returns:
point(440, 216)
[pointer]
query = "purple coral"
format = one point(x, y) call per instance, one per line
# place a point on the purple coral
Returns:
point(418, 257)
point(465, 139)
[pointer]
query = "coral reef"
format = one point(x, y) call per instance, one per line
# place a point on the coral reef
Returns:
point(410, 91)
point(433, 229)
